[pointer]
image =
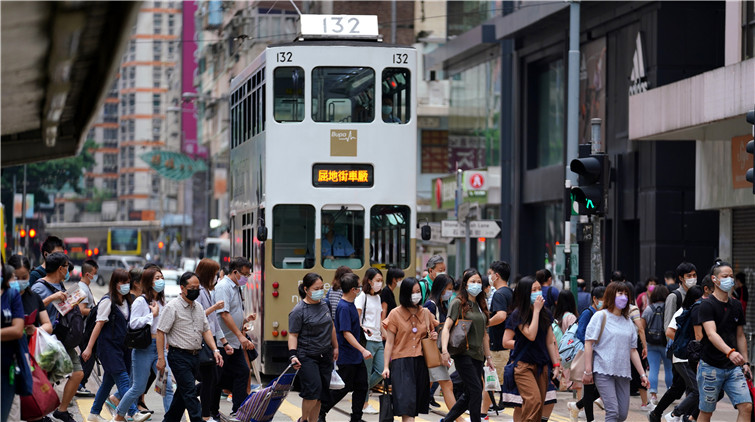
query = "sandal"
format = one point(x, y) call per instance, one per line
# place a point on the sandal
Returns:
point(143, 408)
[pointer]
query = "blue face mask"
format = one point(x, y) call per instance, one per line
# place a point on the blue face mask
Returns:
point(159, 285)
point(124, 289)
point(474, 289)
point(68, 275)
point(317, 295)
point(534, 296)
point(23, 284)
point(600, 304)
point(447, 294)
point(14, 285)
point(727, 284)
point(386, 109)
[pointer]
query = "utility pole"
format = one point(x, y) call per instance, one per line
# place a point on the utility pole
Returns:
point(572, 139)
point(457, 204)
point(23, 215)
point(597, 270)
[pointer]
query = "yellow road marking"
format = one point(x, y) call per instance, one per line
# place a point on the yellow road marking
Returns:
point(290, 410)
point(85, 406)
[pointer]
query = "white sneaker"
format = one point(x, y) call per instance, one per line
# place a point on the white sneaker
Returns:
point(671, 418)
point(582, 414)
point(599, 403)
point(96, 418)
point(573, 411)
point(369, 410)
point(141, 416)
point(654, 400)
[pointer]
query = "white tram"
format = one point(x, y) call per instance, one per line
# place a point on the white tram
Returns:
point(323, 165)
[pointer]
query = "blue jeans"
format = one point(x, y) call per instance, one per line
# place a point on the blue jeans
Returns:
point(374, 364)
point(142, 362)
point(185, 368)
point(656, 355)
point(710, 381)
point(121, 381)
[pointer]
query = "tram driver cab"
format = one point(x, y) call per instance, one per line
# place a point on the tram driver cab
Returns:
point(341, 242)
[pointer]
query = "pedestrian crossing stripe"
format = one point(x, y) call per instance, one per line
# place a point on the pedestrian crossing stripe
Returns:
point(85, 406)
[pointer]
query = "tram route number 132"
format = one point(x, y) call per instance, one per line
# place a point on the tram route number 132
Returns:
point(335, 25)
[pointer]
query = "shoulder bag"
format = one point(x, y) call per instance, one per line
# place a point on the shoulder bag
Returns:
point(459, 343)
point(578, 363)
point(430, 346)
point(139, 338)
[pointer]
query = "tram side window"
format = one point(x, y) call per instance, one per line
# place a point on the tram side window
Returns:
point(343, 94)
point(396, 101)
point(288, 94)
point(293, 233)
point(342, 241)
point(389, 235)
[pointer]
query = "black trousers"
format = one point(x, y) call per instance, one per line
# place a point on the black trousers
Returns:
point(588, 397)
point(234, 373)
point(678, 386)
point(184, 367)
point(470, 371)
point(355, 378)
point(210, 403)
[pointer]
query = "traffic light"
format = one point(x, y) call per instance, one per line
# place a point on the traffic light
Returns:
point(751, 149)
point(22, 233)
point(160, 245)
point(593, 171)
point(32, 233)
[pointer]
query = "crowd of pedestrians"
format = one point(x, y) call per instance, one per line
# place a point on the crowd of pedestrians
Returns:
point(383, 332)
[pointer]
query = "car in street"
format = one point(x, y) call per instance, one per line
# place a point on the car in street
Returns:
point(108, 264)
point(172, 289)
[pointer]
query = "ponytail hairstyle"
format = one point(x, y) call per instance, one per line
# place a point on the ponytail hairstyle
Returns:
point(340, 271)
point(307, 282)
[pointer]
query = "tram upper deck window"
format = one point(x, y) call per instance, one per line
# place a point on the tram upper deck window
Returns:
point(293, 233)
point(342, 241)
point(396, 101)
point(288, 94)
point(343, 94)
point(389, 235)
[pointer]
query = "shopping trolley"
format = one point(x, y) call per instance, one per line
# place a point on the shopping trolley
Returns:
point(261, 405)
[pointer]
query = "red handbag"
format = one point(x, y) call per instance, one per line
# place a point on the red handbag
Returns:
point(43, 400)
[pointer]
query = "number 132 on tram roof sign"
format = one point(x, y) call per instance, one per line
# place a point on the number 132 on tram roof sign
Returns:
point(339, 26)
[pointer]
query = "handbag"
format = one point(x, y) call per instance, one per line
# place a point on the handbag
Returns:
point(386, 405)
point(430, 347)
point(43, 399)
point(206, 356)
point(139, 338)
point(578, 363)
point(458, 343)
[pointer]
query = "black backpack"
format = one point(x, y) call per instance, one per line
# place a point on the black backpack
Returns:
point(68, 328)
point(655, 333)
point(685, 346)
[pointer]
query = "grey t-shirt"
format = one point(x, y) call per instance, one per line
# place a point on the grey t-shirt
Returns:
point(314, 326)
point(230, 293)
point(89, 300)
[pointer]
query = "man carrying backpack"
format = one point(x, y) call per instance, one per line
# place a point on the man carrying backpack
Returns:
point(50, 245)
point(51, 289)
point(687, 274)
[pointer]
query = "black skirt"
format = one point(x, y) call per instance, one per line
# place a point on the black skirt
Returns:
point(411, 386)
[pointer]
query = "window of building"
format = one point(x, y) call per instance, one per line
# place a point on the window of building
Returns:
point(395, 104)
point(545, 114)
point(342, 237)
point(748, 29)
point(435, 151)
point(343, 94)
point(288, 94)
point(389, 235)
point(293, 236)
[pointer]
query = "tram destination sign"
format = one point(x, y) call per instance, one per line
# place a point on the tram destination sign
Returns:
point(477, 228)
point(335, 175)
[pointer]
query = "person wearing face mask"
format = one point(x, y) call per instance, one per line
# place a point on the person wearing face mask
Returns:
point(145, 310)
point(370, 311)
point(88, 274)
point(500, 304)
point(50, 245)
point(470, 304)
point(435, 266)
point(207, 271)
point(312, 345)
point(404, 364)
point(437, 304)
point(590, 393)
point(51, 289)
point(643, 299)
point(687, 277)
point(113, 312)
point(32, 301)
point(723, 358)
point(610, 349)
point(529, 334)
point(387, 110)
point(235, 371)
point(184, 326)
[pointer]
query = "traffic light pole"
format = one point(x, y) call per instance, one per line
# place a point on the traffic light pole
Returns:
point(572, 138)
point(597, 269)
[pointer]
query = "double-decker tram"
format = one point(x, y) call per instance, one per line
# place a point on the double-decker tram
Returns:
point(323, 158)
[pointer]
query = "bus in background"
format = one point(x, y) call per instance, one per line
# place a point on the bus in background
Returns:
point(77, 249)
point(124, 241)
point(218, 249)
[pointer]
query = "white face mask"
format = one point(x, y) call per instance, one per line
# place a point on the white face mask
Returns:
point(376, 286)
point(690, 282)
point(416, 297)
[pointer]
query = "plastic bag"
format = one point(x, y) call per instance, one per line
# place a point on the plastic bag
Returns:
point(161, 383)
point(336, 383)
point(491, 380)
point(52, 356)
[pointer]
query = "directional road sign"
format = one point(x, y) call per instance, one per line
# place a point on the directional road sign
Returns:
point(478, 228)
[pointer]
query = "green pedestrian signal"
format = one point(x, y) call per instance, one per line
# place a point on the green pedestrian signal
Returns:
point(593, 171)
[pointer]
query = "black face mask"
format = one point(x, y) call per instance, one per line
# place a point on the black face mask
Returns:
point(192, 294)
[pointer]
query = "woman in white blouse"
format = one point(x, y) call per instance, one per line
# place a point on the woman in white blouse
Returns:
point(610, 349)
point(145, 311)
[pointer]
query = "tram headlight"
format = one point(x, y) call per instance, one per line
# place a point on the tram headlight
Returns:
point(275, 333)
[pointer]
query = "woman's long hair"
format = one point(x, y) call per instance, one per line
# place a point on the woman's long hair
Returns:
point(609, 298)
point(523, 304)
point(119, 276)
point(440, 284)
point(369, 275)
point(148, 285)
point(565, 304)
point(207, 271)
point(463, 295)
